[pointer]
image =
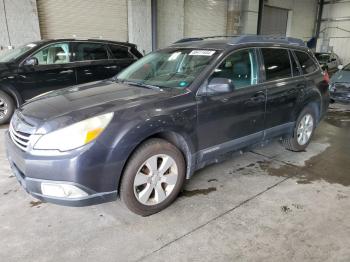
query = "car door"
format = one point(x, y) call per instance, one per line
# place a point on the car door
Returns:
point(232, 120)
point(52, 70)
point(90, 60)
point(121, 57)
point(284, 84)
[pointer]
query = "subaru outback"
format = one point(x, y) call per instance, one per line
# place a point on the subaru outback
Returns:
point(141, 134)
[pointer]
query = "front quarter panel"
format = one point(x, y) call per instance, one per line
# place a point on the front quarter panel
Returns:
point(131, 127)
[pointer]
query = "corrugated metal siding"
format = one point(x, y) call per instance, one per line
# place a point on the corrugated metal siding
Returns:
point(205, 17)
point(83, 18)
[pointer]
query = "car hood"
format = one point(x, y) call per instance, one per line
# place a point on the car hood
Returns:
point(4, 67)
point(341, 76)
point(60, 108)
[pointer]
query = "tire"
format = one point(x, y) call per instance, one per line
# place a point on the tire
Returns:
point(7, 107)
point(292, 143)
point(145, 190)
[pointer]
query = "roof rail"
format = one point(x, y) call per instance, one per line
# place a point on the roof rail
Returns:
point(278, 39)
point(190, 39)
point(240, 39)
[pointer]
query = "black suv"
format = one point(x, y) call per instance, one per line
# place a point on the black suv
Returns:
point(39, 67)
point(174, 111)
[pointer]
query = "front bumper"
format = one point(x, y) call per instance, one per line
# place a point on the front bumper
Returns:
point(80, 168)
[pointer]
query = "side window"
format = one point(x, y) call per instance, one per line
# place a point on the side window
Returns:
point(306, 62)
point(120, 52)
point(90, 51)
point(295, 69)
point(241, 67)
point(53, 54)
point(277, 63)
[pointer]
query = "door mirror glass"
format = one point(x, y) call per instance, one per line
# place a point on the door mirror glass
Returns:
point(32, 61)
point(220, 85)
point(340, 67)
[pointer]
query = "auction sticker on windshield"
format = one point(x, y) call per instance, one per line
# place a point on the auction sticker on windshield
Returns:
point(202, 52)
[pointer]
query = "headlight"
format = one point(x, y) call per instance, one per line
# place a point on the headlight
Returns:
point(331, 87)
point(75, 135)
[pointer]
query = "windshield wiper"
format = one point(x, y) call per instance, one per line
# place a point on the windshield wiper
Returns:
point(140, 84)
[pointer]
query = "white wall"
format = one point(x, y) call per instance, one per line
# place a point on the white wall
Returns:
point(22, 20)
point(249, 16)
point(337, 32)
point(170, 21)
point(301, 18)
point(140, 24)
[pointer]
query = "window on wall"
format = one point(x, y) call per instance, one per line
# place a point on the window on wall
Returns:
point(240, 67)
point(53, 54)
point(277, 63)
point(90, 51)
point(307, 64)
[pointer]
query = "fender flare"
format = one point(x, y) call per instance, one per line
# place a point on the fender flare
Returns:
point(13, 93)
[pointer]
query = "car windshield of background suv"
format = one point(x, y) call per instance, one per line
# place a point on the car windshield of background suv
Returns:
point(172, 68)
point(12, 54)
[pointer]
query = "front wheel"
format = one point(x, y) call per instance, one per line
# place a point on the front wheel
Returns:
point(303, 131)
point(153, 177)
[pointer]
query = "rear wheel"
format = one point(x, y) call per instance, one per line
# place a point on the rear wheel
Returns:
point(303, 131)
point(7, 107)
point(153, 177)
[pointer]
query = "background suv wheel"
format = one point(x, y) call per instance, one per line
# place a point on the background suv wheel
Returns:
point(153, 177)
point(7, 107)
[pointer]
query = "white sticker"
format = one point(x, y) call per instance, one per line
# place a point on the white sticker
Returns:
point(202, 52)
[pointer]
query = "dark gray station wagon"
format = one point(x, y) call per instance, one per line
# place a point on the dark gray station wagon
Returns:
point(141, 134)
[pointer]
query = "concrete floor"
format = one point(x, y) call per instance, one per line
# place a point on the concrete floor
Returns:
point(265, 205)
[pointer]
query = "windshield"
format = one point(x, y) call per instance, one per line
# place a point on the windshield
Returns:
point(322, 58)
point(11, 54)
point(171, 68)
point(346, 68)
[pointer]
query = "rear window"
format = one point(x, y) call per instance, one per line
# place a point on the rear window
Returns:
point(120, 52)
point(90, 51)
point(277, 63)
point(307, 64)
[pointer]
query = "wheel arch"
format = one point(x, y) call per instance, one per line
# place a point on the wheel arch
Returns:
point(13, 93)
point(181, 141)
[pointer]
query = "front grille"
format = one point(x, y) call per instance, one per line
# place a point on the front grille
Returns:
point(20, 139)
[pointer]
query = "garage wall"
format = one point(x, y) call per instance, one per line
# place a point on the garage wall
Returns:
point(335, 30)
point(205, 18)
point(22, 21)
point(83, 18)
point(171, 16)
point(249, 16)
point(302, 15)
point(140, 25)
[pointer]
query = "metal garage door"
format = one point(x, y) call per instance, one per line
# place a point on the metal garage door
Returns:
point(274, 21)
point(83, 18)
point(205, 18)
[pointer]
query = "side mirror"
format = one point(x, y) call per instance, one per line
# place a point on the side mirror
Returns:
point(32, 61)
point(340, 67)
point(220, 85)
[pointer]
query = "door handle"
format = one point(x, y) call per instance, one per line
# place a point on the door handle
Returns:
point(111, 67)
point(66, 71)
point(258, 97)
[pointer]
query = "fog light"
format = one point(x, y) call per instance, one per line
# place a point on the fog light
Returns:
point(62, 190)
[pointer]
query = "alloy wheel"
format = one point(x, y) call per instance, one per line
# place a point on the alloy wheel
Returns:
point(305, 129)
point(3, 108)
point(155, 179)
